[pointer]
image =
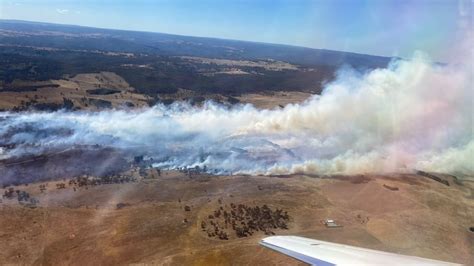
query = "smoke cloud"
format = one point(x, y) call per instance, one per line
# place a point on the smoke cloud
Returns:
point(415, 114)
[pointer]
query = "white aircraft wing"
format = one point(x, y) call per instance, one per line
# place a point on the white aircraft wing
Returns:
point(323, 253)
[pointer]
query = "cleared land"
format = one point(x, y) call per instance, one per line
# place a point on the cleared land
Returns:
point(84, 91)
point(159, 220)
point(105, 90)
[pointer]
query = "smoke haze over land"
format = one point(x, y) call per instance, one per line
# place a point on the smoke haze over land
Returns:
point(412, 115)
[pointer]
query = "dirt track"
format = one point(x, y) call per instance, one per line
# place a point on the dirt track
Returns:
point(84, 227)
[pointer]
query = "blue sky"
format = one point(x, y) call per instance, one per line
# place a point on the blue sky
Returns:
point(383, 27)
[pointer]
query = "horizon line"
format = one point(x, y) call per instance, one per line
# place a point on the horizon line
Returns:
point(195, 36)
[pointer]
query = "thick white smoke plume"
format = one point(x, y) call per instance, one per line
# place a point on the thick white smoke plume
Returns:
point(412, 115)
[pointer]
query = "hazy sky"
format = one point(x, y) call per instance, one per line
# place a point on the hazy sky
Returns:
point(382, 27)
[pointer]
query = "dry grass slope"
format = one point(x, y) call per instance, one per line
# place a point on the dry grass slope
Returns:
point(83, 226)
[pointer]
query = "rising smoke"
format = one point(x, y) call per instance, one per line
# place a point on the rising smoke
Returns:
point(413, 115)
